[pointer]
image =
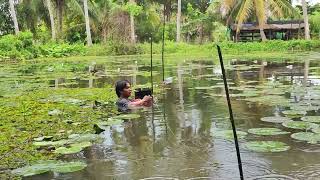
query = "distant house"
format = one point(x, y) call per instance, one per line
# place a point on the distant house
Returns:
point(284, 30)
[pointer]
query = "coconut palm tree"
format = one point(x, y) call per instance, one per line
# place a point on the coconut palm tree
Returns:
point(86, 16)
point(14, 16)
point(242, 10)
point(50, 10)
point(179, 21)
point(306, 20)
point(132, 29)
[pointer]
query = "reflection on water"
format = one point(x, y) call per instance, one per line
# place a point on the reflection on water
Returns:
point(179, 145)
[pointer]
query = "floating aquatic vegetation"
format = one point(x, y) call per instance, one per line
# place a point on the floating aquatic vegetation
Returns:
point(43, 138)
point(246, 94)
point(103, 125)
point(127, 116)
point(68, 150)
point(274, 91)
point(267, 146)
point(49, 165)
point(300, 125)
point(50, 143)
point(54, 112)
point(312, 119)
point(304, 108)
point(204, 88)
point(228, 134)
point(73, 138)
point(294, 113)
point(275, 119)
point(267, 131)
point(270, 100)
point(312, 138)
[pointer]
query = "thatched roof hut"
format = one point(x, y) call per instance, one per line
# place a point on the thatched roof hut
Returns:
point(284, 30)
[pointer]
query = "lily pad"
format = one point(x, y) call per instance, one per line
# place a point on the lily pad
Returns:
point(127, 116)
point(204, 88)
point(294, 113)
point(83, 137)
point(267, 146)
point(299, 125)
point(54, 112)
point(275, 119)
point(267, 131)
point(70, 150)
point(82, 144)
point(50, 143)
point(304, 108)
point(43, 138)
point(69, 167)
point(312, 119)
point(49, 165)
point(228, 134)
point(310, 137)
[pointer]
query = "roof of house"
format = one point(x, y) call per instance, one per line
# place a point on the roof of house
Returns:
point(271, 25)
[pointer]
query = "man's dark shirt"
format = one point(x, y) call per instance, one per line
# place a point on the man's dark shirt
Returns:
point(123, 104)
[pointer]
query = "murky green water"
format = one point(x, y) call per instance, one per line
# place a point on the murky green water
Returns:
point(175, 139)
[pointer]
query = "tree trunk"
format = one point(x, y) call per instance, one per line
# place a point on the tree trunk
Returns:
point(14, 16)
point(179, 21)
point(104, 35)
point(306, 20)
point(60, 4)
point(53, 30)
point(86, 16)
point(132, 29)
point(263, 35)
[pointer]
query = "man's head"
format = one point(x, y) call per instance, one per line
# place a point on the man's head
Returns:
point(123, 88)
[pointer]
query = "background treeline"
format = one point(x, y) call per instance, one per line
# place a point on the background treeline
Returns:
point(55, 28)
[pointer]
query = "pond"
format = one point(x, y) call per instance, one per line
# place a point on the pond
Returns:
point(186, 133)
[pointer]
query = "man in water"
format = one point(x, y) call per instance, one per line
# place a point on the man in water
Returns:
point(123, 90)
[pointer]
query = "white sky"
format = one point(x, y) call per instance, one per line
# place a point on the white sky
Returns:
point(295, 2)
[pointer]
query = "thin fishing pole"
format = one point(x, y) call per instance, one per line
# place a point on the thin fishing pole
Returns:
point(151, 79)
point(151, 62)
point(231, 113)
point(163, 31)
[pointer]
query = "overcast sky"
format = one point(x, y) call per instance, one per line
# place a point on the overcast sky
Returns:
point(310, 1)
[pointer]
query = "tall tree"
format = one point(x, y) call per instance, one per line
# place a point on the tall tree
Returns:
point(179, 21)
point(86, 16)
point(132, 28)
point(306, 20)
point(50, 10)
point(14, 16)
point(60, 4)
point(242, 10)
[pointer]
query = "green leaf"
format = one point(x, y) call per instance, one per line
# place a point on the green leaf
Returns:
point(310, 137)
point(43, 138)
point(49, 165)
point(312, 119)
point(68, 167)
point(70, 150)
point(294, 113)
point(267, 131)
point(299, 125)
point(83, 137)
point(228, 134)
point(50, 143)
point(127, 116)
point(275, 119)
point(82, 144)
point(267, 146)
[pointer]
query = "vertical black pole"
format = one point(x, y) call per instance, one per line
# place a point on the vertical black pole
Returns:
point(151, 79)
point(163, 31)
point(151, 63)
point(231, 113)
